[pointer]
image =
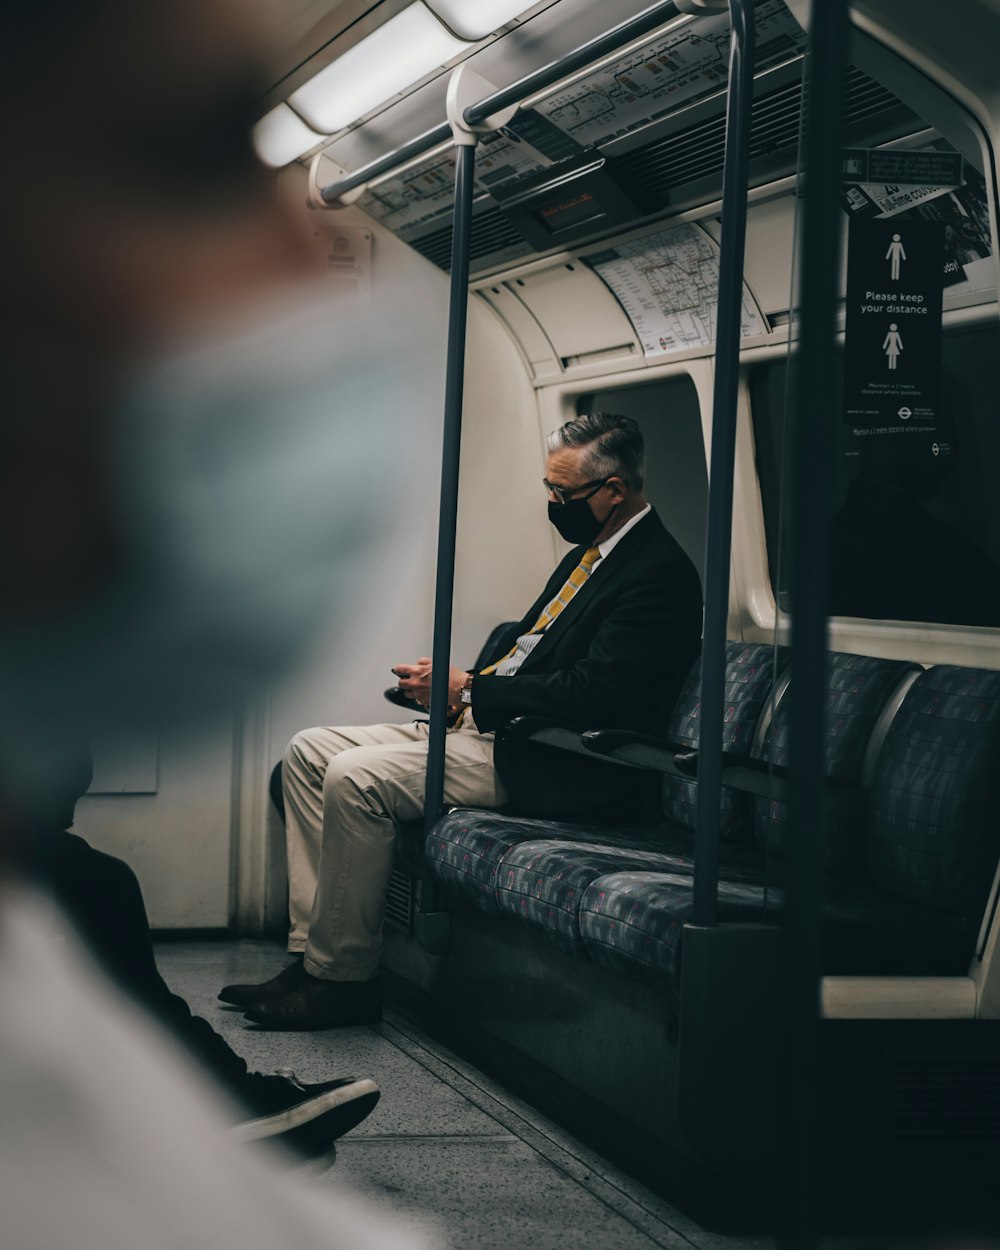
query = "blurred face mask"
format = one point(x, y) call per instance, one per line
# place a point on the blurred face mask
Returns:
point(248, 475)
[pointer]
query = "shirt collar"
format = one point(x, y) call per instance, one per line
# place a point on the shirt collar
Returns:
point(609, 544)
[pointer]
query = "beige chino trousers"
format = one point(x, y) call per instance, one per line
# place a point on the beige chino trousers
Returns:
point(345, 791)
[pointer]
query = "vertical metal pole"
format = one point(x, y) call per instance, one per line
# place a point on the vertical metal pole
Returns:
point(465, 157)
point(720, 500)
point(814, 421)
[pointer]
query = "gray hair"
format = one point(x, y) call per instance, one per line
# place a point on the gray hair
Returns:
point(614, 446)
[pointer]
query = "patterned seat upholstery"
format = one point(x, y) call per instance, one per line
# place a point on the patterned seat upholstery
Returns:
point(541, 882)
point(623, 897)
point(469, 845)
point(935, 836)
point(633, 921)
point(859, 687)
point(749, 680)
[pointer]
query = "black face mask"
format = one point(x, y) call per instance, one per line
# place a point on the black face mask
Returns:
point(575, 521)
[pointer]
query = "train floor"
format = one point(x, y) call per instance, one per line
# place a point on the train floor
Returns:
point(454, 1154)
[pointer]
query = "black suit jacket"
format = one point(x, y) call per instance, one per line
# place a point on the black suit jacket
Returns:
point(612, 659)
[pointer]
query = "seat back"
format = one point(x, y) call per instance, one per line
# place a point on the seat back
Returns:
point(858, 689)
point(934, 836)
point(750, 669)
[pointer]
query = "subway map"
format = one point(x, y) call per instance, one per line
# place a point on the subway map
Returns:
point(408, 200)
point(674, 69)
point(668, 285)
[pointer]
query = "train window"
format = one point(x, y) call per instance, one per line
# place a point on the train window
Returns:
point(676, 477)
point(909, 542)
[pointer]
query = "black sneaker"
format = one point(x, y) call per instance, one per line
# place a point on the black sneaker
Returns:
point(246, 995)
point(308, 1118)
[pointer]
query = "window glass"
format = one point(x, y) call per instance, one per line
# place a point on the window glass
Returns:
point(908, 542)
point(676, 477)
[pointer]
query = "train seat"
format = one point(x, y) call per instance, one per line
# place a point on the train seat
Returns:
point(469, 847)
point(934, 836)
point(911, 848)
point(541, 883)
point(906, 881)
point(551, 885)
point(537, 871)
point(753, 670)
point(633, 922)
point(859, 689)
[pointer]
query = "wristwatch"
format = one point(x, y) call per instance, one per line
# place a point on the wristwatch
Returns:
point(465, 694)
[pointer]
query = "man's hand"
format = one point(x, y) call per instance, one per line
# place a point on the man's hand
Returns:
point(415, 680)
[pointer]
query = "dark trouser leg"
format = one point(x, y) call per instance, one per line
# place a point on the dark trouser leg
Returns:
point(102, 897)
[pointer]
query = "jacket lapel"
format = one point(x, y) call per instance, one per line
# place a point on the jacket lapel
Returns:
point(603, 576)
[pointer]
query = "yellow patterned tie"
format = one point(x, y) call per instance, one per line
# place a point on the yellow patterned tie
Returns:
point(575, 580)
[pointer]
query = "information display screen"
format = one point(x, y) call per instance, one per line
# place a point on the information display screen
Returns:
point(572, 210)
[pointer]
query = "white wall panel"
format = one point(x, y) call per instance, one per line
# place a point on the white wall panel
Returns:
point(577, 311)
point(503, 551)
point(176, 840)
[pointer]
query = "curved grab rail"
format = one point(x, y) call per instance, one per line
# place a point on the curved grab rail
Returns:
point(529, 85)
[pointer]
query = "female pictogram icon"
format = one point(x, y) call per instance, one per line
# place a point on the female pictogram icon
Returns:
point(893, 344)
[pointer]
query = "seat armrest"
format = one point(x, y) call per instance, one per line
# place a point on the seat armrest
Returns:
point(633, 749)
point(605, 740)
point(526, 726)
point(739, 772)
point(639, 750)
point(542, 729)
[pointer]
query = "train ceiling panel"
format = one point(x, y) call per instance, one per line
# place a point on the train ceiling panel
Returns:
point(638, 138)
point(527, 333)
point(547, 33)
point(555, 297)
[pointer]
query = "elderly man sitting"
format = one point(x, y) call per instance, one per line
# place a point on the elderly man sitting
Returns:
point(609, 636)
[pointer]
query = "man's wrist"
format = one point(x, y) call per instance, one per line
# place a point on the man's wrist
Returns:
point(465, 691)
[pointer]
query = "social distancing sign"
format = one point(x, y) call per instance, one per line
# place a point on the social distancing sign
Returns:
point(892, 394)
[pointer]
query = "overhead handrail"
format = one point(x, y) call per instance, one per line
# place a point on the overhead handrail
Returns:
point(813, 422)
point(718, 550)
point(538, 80)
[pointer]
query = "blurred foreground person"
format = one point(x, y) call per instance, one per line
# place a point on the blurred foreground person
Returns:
point(185, 486)
point(108, 1142)
point(102, 897)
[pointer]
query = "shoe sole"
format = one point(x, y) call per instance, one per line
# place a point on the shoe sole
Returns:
point(343, 1108)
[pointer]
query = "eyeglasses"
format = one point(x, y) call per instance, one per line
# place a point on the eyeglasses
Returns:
point(565, 493)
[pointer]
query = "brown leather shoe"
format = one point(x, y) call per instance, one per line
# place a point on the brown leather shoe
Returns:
point(316, 1004)
point(249, 995)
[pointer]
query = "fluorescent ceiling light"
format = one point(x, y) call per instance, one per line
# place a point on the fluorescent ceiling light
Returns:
point(280, 137)
point(475, 19)
point(388, 61)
